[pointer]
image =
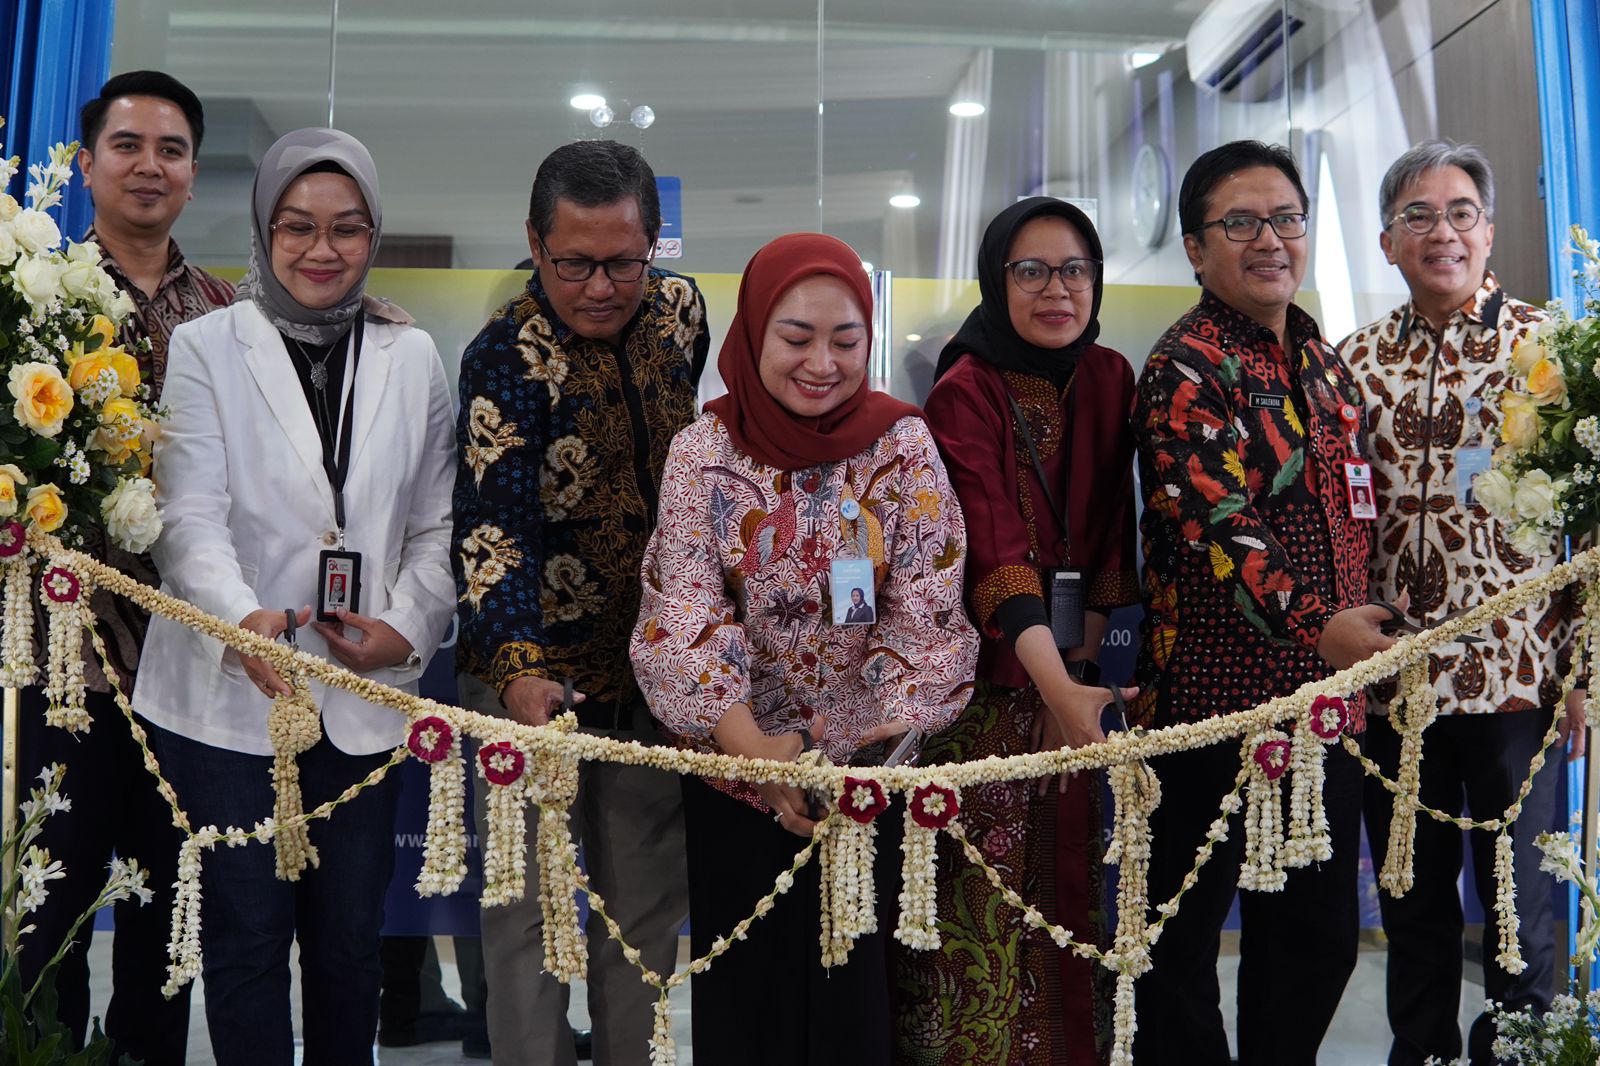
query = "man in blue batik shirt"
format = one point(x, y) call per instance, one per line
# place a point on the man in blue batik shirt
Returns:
point(570, 397)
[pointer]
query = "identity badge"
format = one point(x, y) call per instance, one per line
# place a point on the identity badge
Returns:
point(1358, 479)
point(339, 584)
point(1470, 462)
point(854, 601)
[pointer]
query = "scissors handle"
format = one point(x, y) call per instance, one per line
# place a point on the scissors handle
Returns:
point(290, 625)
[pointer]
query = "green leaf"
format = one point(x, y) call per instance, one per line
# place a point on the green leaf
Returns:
point(1561, 431)
point(39, 452)
point(1289, 472)
point(1228, 505)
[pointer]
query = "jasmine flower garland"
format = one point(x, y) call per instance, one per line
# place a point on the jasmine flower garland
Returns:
point(66, 601)
point(294, 725)
point(17, 668)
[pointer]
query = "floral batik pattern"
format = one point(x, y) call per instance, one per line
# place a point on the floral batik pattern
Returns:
point(1249, 543)
point(738, 606)
point(1466, 555)
point(562, 440)
point(992, 993)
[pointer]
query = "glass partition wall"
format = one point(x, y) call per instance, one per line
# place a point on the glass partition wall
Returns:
point(900, 126)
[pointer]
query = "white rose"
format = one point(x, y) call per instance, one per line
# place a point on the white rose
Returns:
point(8, 246)
point(36, 231)
point(1529, 539)
point(114, 303)
point(39, 280)
point(1535, 496)
point(87, 252)
point(1495, 492)
point(131, 516)
point(79, 279)
point(8, 207)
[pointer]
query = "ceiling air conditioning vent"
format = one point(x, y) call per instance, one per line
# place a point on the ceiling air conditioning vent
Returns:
point(1236, 47)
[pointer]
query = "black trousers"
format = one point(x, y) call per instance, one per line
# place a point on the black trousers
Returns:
point(1482, 760)
point(1297, 947)
point(115, 809)
point(768, 1000)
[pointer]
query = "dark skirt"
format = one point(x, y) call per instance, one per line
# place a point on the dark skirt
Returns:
point(768, 1000)
point(997, 992)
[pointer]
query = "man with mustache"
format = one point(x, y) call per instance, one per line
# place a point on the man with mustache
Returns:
point(141, 138)
point(570, 397)
point(1255, 582)
point(1435, 366)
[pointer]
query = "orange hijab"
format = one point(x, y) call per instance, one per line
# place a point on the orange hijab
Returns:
point(762, 427)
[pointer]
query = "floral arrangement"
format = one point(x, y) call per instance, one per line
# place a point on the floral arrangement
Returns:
point(1545, 479)
point(32, 1032)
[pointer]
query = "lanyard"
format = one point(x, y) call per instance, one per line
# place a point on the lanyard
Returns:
point(336, 453)
point(1038, 466)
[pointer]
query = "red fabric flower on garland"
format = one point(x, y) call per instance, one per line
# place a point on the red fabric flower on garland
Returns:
point(1273, 758)
point(12, 539)
point(1329, 716)
point(863, 799)
point(934, 806)
point(502, 761)
point(61, 585)
point(431, 738)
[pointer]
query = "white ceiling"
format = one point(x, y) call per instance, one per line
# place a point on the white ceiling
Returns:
point(459, 102)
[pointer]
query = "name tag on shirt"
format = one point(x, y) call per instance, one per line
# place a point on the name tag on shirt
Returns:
point(854, 599)
point(1358, 481)
point(1470, 462)
point(1266, 400)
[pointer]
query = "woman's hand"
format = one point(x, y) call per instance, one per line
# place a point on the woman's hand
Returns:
point(380, 645)
point(1071, 718)
point(269, 624)
point(738, 734)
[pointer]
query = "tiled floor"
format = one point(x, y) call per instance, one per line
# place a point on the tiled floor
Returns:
point(1359, 1036)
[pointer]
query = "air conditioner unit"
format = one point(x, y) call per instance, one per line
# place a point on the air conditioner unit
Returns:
point(1236, 48)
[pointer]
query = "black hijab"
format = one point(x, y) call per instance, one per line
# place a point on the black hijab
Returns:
point(988, 333)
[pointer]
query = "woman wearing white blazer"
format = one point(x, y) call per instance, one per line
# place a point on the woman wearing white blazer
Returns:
point(304, 418)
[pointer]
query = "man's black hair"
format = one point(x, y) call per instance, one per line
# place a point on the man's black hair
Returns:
point(92, 119)
point(591, 174)
point(1207, 172)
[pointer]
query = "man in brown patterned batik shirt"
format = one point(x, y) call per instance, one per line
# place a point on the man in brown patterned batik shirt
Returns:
point(140, 136)
point(1432, 369)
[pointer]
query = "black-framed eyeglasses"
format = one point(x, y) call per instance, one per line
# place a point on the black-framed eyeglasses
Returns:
point(1033, 275)
point(298, 235)
point(1420, 218)
point(1248, 227)
point(575, 270)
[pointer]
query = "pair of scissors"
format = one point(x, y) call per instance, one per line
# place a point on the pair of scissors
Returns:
point(1399, 623)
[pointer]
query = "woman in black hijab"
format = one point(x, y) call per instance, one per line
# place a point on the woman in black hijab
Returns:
point(1031, 418)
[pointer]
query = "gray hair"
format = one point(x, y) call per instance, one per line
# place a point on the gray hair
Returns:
point(1431, 155)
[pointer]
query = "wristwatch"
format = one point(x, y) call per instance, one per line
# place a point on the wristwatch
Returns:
point(1086, 671)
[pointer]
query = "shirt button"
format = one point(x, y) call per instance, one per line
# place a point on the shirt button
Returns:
point(330, 538)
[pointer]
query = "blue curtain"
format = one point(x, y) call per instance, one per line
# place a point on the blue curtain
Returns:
point(56, 55)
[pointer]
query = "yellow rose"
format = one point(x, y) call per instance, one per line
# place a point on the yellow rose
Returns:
point(44, 399)
point(127, 368)
point(46, 509)
point(1519, 421)
point(1547, 383)
point(1524, 355)
point(84, 368)
point(121, 431)
point(102, 327)
point(10, 478)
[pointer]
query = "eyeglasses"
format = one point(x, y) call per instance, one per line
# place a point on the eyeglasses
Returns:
point(1248, 227)
point(300, 235)
point(575, 270)
point(1420, 218)
point(1033, 275)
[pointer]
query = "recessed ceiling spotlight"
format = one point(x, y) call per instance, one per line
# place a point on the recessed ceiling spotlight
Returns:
point(904, 199)
point(967, 109)
point(913, 337)
point(587, 101)
point(866, 264)
point(1142, 59)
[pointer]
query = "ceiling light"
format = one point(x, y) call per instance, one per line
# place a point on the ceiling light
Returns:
point(587, 101)
point(913, 337)
point(904, 199)
point(967, 109)
point(1142, 59)
point(866, 264)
